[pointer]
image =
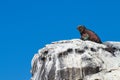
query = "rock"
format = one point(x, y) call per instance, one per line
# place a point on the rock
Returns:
point(76, 60)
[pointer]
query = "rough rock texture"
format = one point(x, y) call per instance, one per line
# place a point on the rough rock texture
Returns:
point(76, 60)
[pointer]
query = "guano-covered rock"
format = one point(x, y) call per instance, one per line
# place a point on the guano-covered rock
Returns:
point(76, 60)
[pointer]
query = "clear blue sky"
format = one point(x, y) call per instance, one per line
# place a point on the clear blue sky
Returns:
point(27, 25)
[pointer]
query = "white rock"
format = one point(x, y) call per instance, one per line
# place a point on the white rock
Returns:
point(76, 60)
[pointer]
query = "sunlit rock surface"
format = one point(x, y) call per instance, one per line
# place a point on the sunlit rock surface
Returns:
point(76, 60)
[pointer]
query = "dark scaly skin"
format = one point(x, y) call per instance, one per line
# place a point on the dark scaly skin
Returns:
point(92, 36)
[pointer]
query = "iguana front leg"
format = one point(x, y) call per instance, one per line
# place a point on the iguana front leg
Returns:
point(85, 36)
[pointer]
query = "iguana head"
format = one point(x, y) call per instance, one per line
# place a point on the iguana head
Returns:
point(81, 28)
